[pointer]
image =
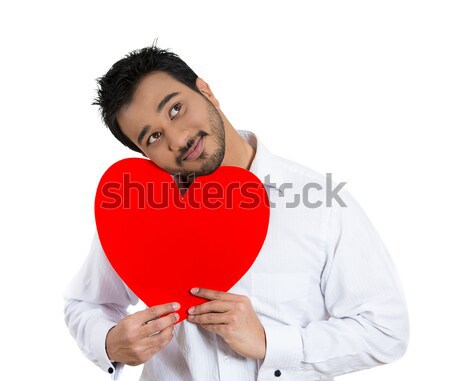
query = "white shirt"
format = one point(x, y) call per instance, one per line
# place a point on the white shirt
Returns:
point(323, 286)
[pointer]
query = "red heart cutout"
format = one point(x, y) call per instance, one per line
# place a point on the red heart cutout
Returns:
point(163, 244)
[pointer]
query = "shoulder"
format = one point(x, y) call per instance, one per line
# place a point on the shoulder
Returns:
point(296, 173)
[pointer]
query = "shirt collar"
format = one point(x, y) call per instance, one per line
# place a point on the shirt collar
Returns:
point(265, 165)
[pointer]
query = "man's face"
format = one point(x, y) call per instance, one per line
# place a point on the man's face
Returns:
point(180, 130)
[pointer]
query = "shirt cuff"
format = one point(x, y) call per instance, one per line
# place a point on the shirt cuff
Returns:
point(284, 350)
point(99, 332)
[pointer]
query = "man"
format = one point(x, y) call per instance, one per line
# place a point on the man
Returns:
point(321, 299)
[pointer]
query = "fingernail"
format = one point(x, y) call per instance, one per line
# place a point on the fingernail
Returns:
point(175, 306)
point(176, 316)
point(191, 310)
point(194, 290)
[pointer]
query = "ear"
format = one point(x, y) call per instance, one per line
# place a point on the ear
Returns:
point(206, 91)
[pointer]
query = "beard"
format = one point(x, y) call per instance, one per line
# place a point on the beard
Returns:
point(210, 161)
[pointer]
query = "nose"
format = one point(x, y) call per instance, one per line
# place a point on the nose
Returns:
point(177, 138)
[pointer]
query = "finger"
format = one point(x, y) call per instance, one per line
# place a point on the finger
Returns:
point(213, 294)
point(155, 326)
point(207, 319)
point(157, 339)
point(154, 312)
point(208, 307)
point(158, 342)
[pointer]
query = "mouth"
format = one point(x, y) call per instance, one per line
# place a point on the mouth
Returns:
point(195, 151)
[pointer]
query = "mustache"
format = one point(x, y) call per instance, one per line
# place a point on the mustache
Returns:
point(190, 142)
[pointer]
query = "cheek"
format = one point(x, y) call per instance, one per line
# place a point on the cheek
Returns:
point(197, 119)
point(158, 159)
point(164, 160)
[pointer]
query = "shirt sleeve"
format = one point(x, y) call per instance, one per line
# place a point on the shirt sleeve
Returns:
point(368, 321)
point(95, 301)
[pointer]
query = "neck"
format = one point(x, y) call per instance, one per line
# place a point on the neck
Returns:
point(238, 152)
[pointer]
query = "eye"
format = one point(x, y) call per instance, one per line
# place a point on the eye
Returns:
point(153, 137)
point(175, 110)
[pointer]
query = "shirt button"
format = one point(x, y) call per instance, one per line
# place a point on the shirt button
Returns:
point(226, 359)
point(277, 373)
point(110, 370)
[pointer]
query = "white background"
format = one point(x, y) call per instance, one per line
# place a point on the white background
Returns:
point(357, 88)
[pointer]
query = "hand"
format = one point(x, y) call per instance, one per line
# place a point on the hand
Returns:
point(232, 317)
point(139, 336)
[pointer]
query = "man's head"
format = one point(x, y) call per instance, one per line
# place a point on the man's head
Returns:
point(155, 104)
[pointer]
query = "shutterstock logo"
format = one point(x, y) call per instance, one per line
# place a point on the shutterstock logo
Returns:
point(129, 194)
point(305, 196)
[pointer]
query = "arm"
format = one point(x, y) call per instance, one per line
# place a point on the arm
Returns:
point(368, 321)
point(95, 301)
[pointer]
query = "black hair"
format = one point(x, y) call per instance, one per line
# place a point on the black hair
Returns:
point(116, 88)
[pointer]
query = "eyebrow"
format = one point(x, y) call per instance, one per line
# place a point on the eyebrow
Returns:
point(166, 99)
point(142, 134)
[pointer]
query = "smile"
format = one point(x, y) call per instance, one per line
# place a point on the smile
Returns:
point(195, 151)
